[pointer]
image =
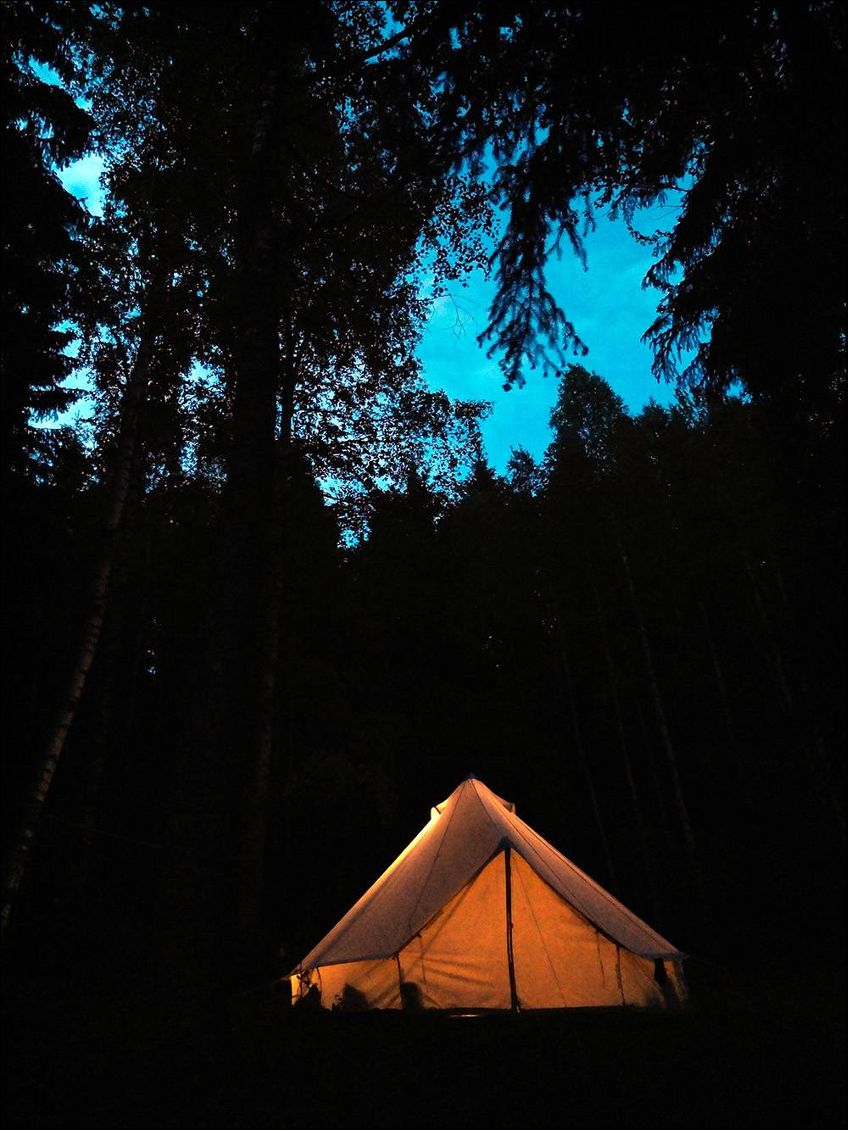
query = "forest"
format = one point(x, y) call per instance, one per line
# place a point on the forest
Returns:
point(266, 601)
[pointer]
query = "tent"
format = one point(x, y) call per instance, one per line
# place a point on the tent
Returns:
point(479, 912)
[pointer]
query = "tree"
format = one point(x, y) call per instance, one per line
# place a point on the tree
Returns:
point(280, 292)
point(725, 113)
point(43, 226)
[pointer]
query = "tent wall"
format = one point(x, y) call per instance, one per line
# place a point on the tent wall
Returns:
point(459, 960)
point(563, 961)
point(359, 985)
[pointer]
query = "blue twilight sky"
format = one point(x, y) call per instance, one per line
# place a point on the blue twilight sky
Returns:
point(609, 310)
point(606, 303)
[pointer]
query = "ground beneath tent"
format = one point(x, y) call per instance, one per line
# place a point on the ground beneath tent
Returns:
point(767, 1053)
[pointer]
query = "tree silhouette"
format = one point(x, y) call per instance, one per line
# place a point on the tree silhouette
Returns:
point(725, 114)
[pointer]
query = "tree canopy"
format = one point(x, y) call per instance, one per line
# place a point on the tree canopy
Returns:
point(732, 115)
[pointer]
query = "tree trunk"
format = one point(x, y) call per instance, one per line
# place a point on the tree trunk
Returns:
point(635, 802)
point(809, 740)
point(680, 805)
point(656, 784)
point(254, 817)
point(576, 729)
point(253, 522)
point(102, 750)
point(92, 625)
point(770, 637)
point(744, 773)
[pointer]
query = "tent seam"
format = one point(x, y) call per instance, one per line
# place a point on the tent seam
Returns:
point(433, 862)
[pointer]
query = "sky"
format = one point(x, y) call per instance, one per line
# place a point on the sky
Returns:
point(606, 303)
point(609, 310)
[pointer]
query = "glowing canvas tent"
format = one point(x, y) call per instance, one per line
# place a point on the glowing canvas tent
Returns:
point(480, 912)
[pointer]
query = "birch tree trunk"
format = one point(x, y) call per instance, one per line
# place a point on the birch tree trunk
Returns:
point(92, 625)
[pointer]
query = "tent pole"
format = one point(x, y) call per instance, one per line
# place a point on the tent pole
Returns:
point(513, 994)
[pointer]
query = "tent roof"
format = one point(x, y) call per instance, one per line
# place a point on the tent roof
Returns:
point(463, 834)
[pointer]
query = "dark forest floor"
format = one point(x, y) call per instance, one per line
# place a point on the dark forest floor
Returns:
point(762, 1048)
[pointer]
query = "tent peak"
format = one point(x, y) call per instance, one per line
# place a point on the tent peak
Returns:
point(478, 789)
point(479, 785)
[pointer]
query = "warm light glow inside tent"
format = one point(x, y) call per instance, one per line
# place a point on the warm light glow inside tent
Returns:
point(480, 912)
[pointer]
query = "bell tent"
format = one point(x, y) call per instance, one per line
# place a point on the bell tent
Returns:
point(479, 913)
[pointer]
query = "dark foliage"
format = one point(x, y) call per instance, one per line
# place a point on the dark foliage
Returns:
point(733, 115)
point(471, 637)
point(43, 226)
